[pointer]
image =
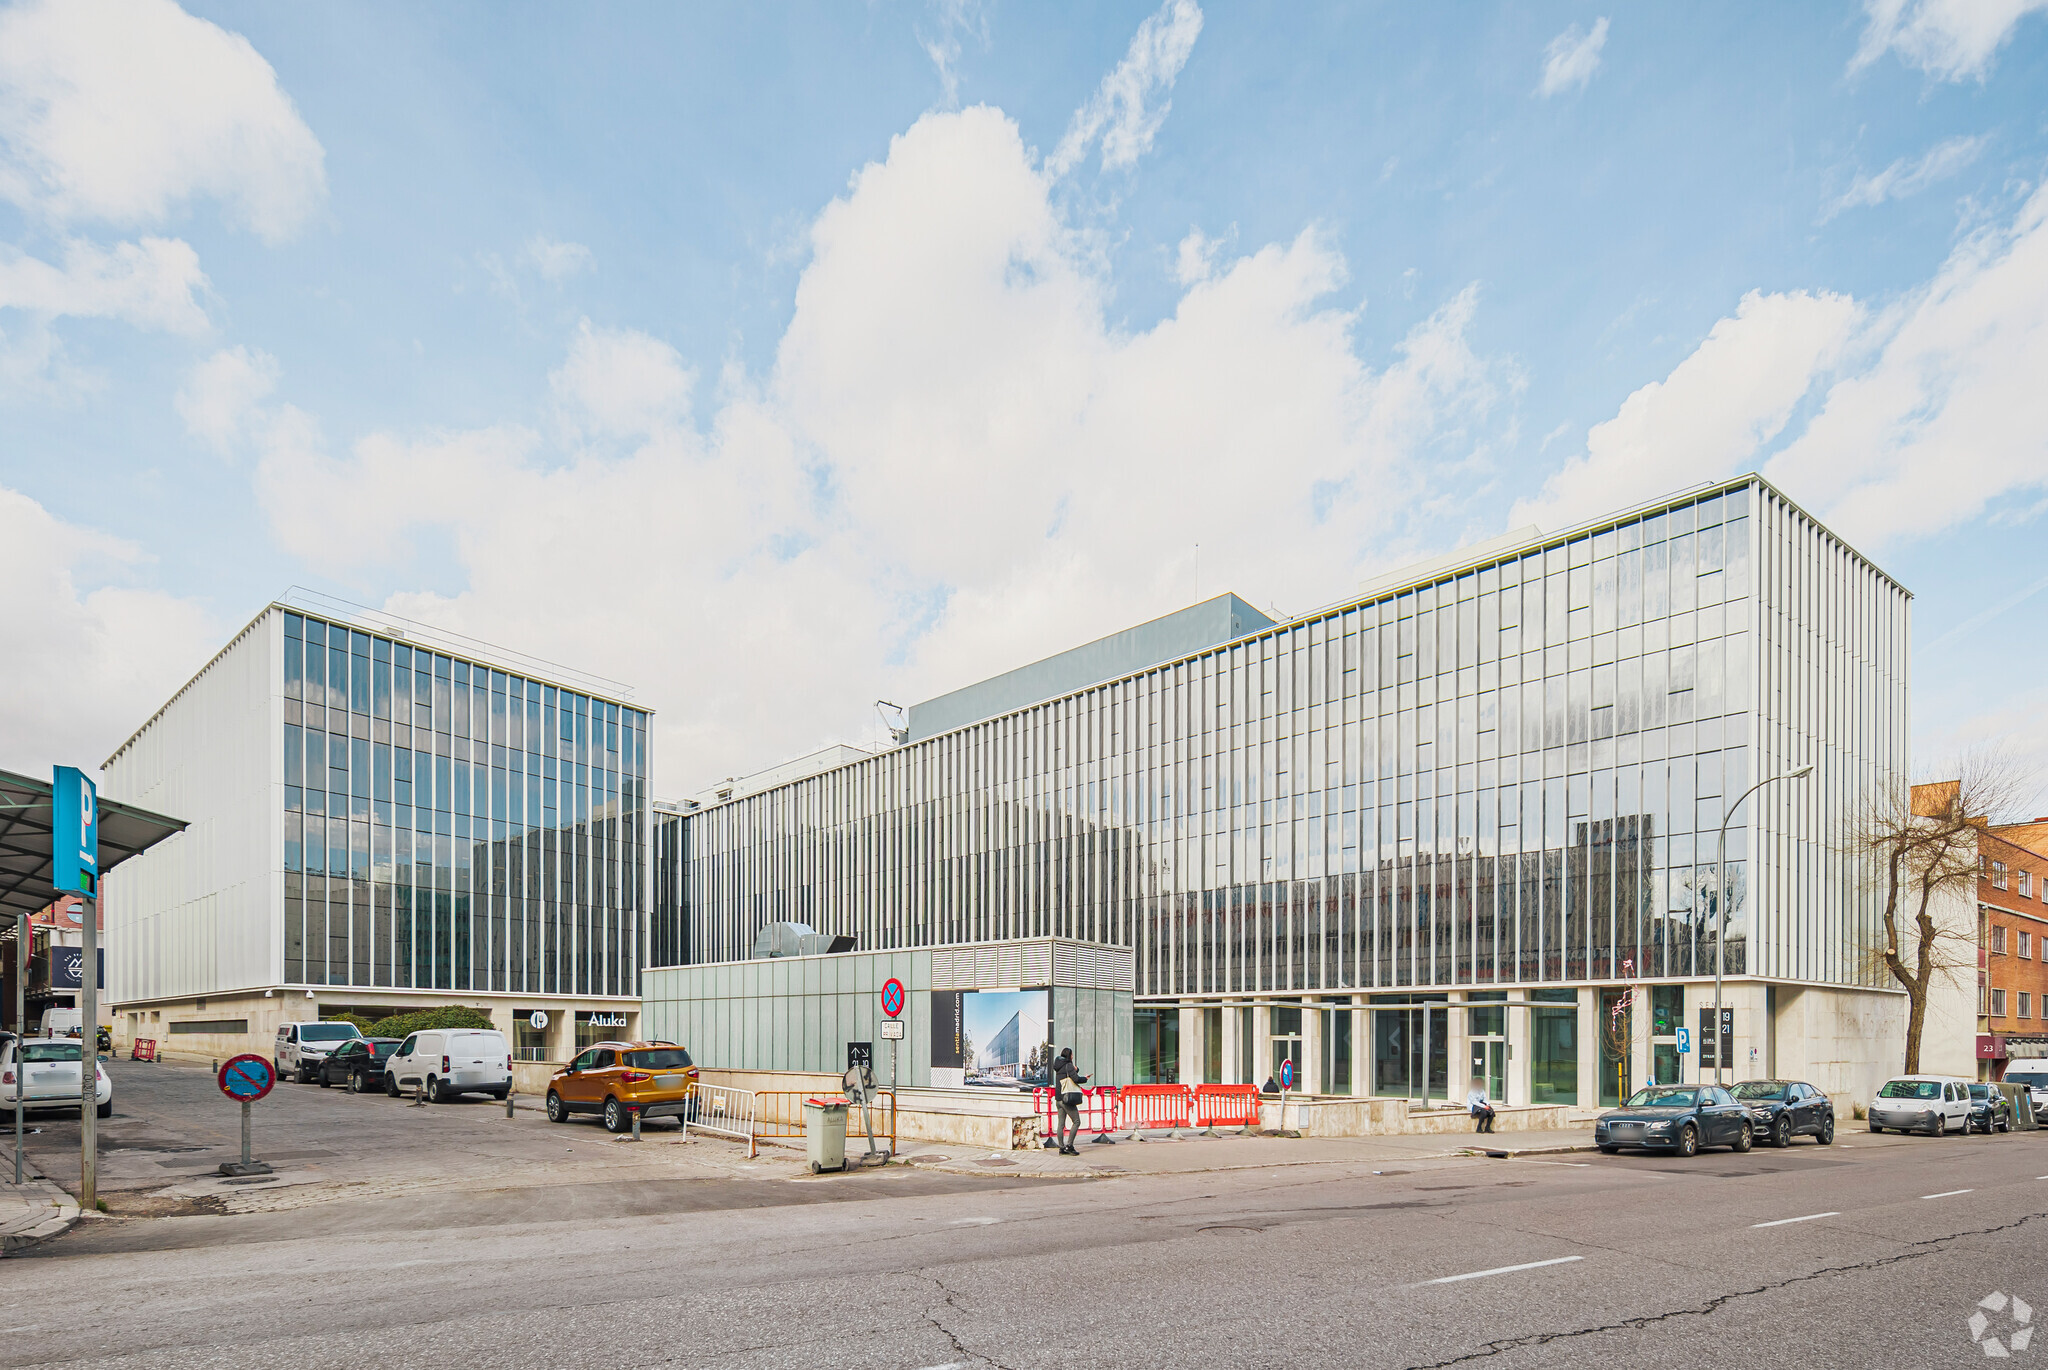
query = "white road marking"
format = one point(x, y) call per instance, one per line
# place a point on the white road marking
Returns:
point(1504, 1270)
point(1948, 1193)
point(971, 1222)
point(1807, 1219)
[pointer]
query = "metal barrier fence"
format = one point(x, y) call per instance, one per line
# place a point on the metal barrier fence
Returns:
point(779, 1116)
point(143, 1050)
point(1153, 1106)
point(1226, 1106)
point(726, 1112)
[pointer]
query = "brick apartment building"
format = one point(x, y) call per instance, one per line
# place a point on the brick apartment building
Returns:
point(2012, 910)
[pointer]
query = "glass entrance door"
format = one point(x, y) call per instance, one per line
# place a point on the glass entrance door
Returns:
point(1490, 1064)
point(1411, 1052)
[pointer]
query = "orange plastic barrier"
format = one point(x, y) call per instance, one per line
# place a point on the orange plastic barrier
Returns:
point(1143, 1106)
point(1227, 1106)
point(143, 1050)
point(1098, 1111)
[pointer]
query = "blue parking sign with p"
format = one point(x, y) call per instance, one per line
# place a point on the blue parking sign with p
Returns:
point(74, 832)
point(1685, 1041)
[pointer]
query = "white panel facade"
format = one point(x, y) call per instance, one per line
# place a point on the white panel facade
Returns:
point(197, 914)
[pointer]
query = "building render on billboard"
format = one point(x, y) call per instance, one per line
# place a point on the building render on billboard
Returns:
point(380, 824)
point(1461, 824)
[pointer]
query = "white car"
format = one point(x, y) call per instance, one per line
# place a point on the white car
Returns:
point(45, 1072)
point(1934, 1104)
point(301, 1047)
point(451, 1061)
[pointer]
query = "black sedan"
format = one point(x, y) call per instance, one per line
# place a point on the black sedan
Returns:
point(1780, 1110)
point(358, 1065)
point(1681, 1118)
point(1990, 1110)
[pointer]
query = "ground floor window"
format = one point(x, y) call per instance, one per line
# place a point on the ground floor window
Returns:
point(1410, 1049)
point(1155, 1046)
point(1336, 1078)
point(592, 1028)
point(1212, 1046)
point(1554, 1048)
point(529, 1043)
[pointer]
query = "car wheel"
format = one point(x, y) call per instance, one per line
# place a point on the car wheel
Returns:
point(1781, 1135)
point(324, 1080)
point(558, 1112)
point(1875, 1129)
point(433, 1090)
point(1826, 1135)
point(354, 1083)
point(1940, 1128)
point(1744, 1139)
point(391, 1084)
point(617, 1118)
point(1604, 1151)
point(105, 1110)
point(1689, 1141)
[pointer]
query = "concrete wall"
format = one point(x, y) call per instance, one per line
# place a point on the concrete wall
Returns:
point(1844, 1041)
point(199, 913)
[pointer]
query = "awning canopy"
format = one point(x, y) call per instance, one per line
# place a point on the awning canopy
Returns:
point(26, 823)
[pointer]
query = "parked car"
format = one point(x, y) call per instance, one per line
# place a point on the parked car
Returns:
point(301, 1047)
point(447, 1062)
point(1780, 1110)
point(48, 1071)
point(1921, 1103)
point(358, 1065)
point(614, 1078)
point(1990, 1111)
point(2034, 1075)
point(1681, 1118)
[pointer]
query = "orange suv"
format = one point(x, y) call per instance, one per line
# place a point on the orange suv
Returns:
point(615, 1078)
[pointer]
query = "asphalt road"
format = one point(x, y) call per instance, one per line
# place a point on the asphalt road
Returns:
point(1633, 1259)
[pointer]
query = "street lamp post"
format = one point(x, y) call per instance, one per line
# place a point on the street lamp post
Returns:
point(1721, 909)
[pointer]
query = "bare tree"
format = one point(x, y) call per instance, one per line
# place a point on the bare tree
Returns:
point(1921, 843)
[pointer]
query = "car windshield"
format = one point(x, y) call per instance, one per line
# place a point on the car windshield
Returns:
point(661, 1058)
point(1910, 1089)
point(2031, 1079)
point(49, 1051)
point(1760, 1089)
point(1663, 1098)
point(328, 1032)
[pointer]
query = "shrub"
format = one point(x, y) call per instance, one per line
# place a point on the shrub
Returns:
point(426, 1019)
point(363, 1025)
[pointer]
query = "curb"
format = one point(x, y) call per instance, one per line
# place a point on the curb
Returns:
point(62, 1215)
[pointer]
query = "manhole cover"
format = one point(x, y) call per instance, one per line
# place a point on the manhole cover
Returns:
point(995, 1161)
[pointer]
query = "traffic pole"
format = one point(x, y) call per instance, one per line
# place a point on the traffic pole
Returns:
point(89, 1058)
point(21, 935)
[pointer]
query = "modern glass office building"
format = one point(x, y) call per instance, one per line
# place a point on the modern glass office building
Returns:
point(1339, 839)
point(407, 823)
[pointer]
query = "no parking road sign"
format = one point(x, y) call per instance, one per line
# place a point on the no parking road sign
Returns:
point(892, 997)
point(246, 1078)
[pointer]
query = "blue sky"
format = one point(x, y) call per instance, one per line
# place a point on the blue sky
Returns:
point(780, 361)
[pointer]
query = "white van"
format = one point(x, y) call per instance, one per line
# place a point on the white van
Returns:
point(1934, 1104)
point(2034, 1075)
point(446, 1062)
point(301, 1047)
point(62, 1022)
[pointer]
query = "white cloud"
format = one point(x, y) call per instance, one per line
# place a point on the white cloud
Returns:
point(83, 665)
point(121, 110)
point(1710, 416)
point(150, 284)
point(221, 393)
point(1196, 257)
point(1119, 115)
point(1950, 39)
point(1571, 58)
point(957, 463)
point(1950, 415)
point(956, 18)
point(1908, 176)
point(557, 261)
point(622, 383)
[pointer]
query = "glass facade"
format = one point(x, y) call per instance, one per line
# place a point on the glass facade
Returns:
point(449, 825)
point(1509, 773)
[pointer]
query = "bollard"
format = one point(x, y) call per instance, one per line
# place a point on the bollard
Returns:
point(419, 1095)
point(508, 1103)
point(636, 1123)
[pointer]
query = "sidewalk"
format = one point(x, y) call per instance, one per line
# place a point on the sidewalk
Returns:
point(33, 1210)
point(1157, 1155)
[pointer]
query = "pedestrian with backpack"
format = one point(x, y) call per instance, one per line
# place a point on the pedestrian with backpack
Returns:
point(1066, 1086)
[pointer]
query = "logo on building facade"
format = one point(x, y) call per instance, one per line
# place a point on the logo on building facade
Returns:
point(2002, 1324)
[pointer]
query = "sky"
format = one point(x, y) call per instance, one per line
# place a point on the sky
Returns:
point(779, 360)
